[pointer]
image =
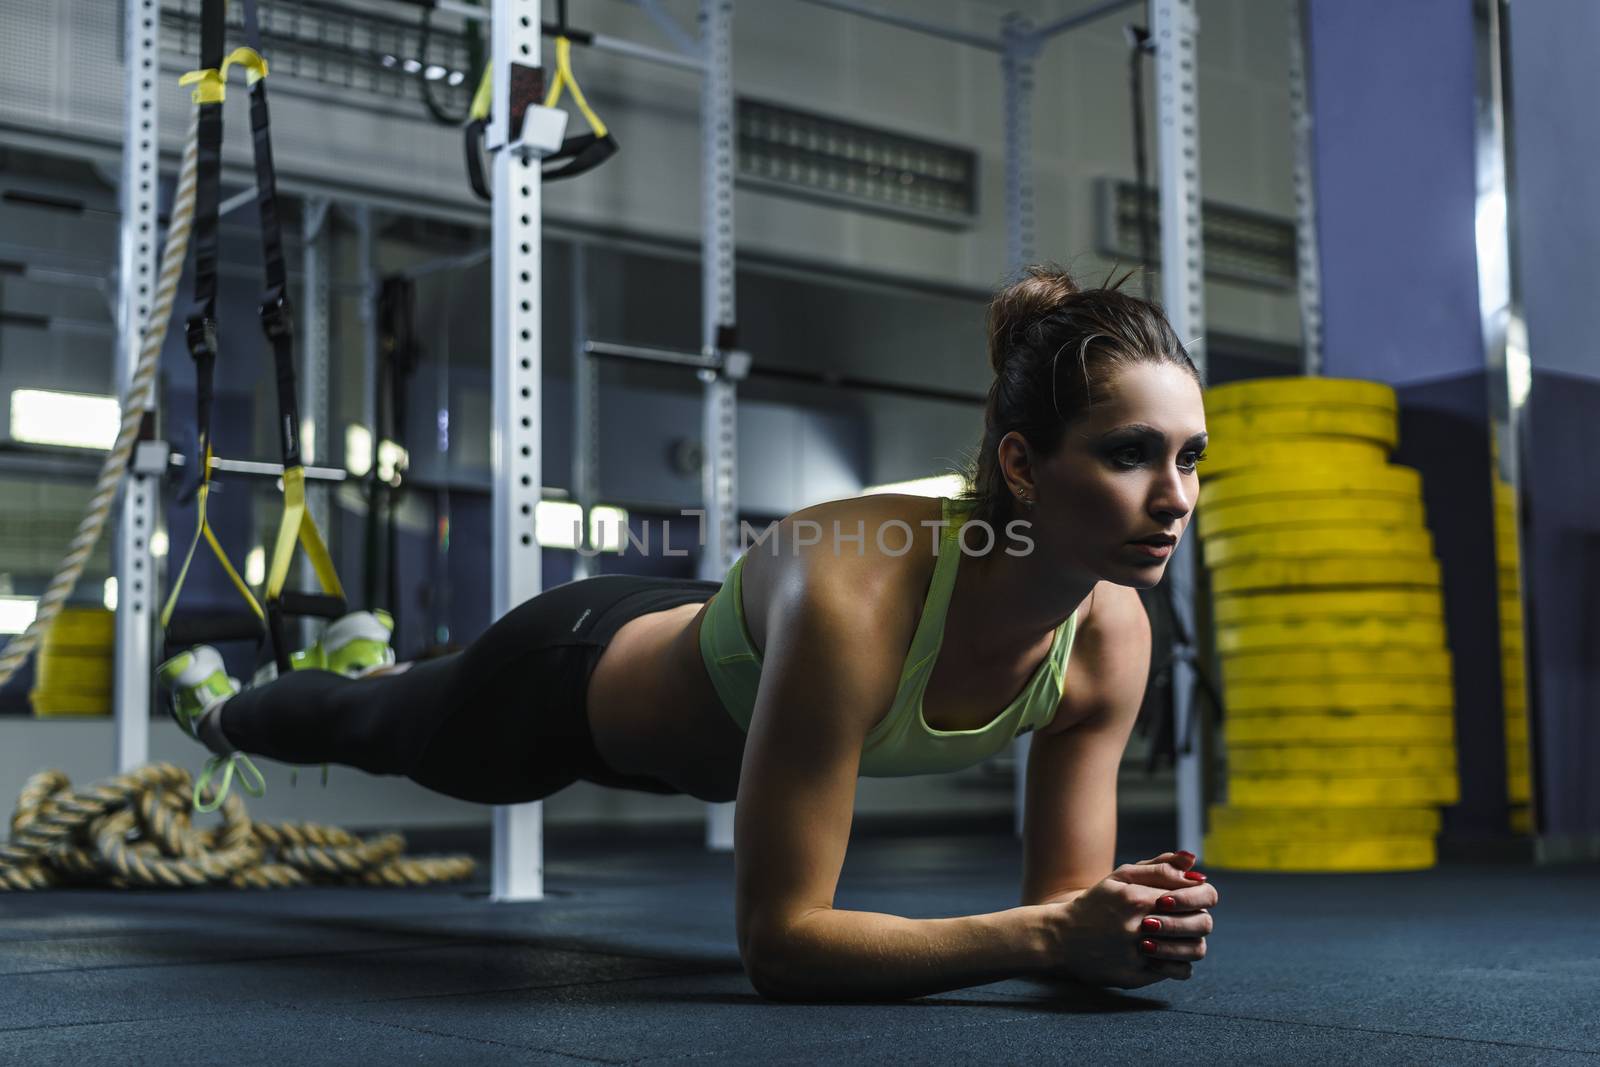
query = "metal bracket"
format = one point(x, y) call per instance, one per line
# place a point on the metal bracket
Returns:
point(150, 458)
point(543, 129)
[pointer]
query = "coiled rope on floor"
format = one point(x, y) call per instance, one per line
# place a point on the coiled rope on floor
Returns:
point(133, 830)
point(135, 402)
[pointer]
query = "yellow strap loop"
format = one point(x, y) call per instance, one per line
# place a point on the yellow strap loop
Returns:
point(484, 97)
point(210, 85)
point(252, 61)
point(203, 528)
point(297, 525)
point(565, 78)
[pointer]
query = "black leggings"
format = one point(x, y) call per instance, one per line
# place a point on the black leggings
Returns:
point(501, 722)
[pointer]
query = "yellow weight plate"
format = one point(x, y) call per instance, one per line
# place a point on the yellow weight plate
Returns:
point(1307, 392)
point(1332, 633)
point(1519, 788)
point(92, 624)
point(1414, 572)
point(1231, 455)
point(1516, 729)
point(1287, 485)
point(1316, 791)
point(52, 705)
point(1289, 697)
point(1521, 820)
point(1348, 856)
point(1339, 728)
point(1353, 760)
point(1213, 519)
point(1517, 760)
point(1337, 665)
point(77, 673)
point(1260, 424)
point(1363, 604)
point(1300, 824)
point(1325, 543)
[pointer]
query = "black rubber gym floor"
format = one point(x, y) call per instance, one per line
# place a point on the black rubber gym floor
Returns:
point(631, 958)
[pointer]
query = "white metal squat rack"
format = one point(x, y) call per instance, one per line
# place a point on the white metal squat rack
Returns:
point(517, 868)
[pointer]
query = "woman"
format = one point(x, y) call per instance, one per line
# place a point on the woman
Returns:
point(875, 635)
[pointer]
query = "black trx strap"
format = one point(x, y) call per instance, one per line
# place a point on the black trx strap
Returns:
point(277, 325)
point(399, 353)
point(201, 334)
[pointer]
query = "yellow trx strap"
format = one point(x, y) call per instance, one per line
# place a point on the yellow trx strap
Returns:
point(202, 528)
point(210, 87)
point(483, 98)
point(297, 525)
point(564, 78)
point(255, 66)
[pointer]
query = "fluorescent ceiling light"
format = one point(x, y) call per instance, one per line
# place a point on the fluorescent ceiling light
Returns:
point(76, 420)
point(392, 459)
point(255, 566)
point(556, 524)
point(16, 612)
point(937, 485)
point(108, 593)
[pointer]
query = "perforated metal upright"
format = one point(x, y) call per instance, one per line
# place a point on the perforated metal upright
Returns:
point(719, 435)
point(136, 517)
point(1309, 266)
point(518, 860)
point(1175, 28)
point(315, 432)
point(1021, 46)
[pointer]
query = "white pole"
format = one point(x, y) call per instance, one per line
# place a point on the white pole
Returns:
point(1174, 30)
point(136, 519)
point(718, 426)
point(518, 857)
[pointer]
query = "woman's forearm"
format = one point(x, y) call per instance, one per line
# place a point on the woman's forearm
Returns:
point(867, 955)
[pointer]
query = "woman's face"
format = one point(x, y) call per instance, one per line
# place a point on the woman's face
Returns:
point(1124, 471)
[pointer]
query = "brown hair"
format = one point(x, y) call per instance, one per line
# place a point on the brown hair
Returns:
point(1035, 322)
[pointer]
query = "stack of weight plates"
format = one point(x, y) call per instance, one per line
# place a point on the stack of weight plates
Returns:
point(73, 676)
point(1519, 780)
point(1330, 627)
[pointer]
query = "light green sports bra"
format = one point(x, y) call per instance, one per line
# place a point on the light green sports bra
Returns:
point(903, 743)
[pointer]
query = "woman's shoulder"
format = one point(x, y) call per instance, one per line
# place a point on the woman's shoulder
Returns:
point(875, 553)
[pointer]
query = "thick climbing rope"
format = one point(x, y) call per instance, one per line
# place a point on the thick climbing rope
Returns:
point(133, 830)
point(135, 402)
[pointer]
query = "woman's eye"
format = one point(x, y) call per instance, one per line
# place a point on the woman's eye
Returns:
point(1128, 457)
point(1198, 459)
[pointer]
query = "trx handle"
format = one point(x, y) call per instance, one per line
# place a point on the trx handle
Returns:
point(312, 605)
point(205, 627)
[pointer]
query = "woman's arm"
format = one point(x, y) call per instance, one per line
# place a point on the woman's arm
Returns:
point(1070, 811)
point(830, 668)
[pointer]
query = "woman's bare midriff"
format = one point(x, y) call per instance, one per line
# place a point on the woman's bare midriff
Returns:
point(655, 712)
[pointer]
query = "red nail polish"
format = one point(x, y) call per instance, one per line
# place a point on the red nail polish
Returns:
point(1186, 854)
point(1167, 902)
point(1151, 923)
point(1147, 945)
point(1194, 876)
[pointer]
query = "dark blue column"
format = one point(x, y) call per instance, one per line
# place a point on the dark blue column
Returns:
point(1392, 93)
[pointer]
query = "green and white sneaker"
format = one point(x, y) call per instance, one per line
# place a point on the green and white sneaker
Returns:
point(358, 643)
point(352, 645)
point(198, 684)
